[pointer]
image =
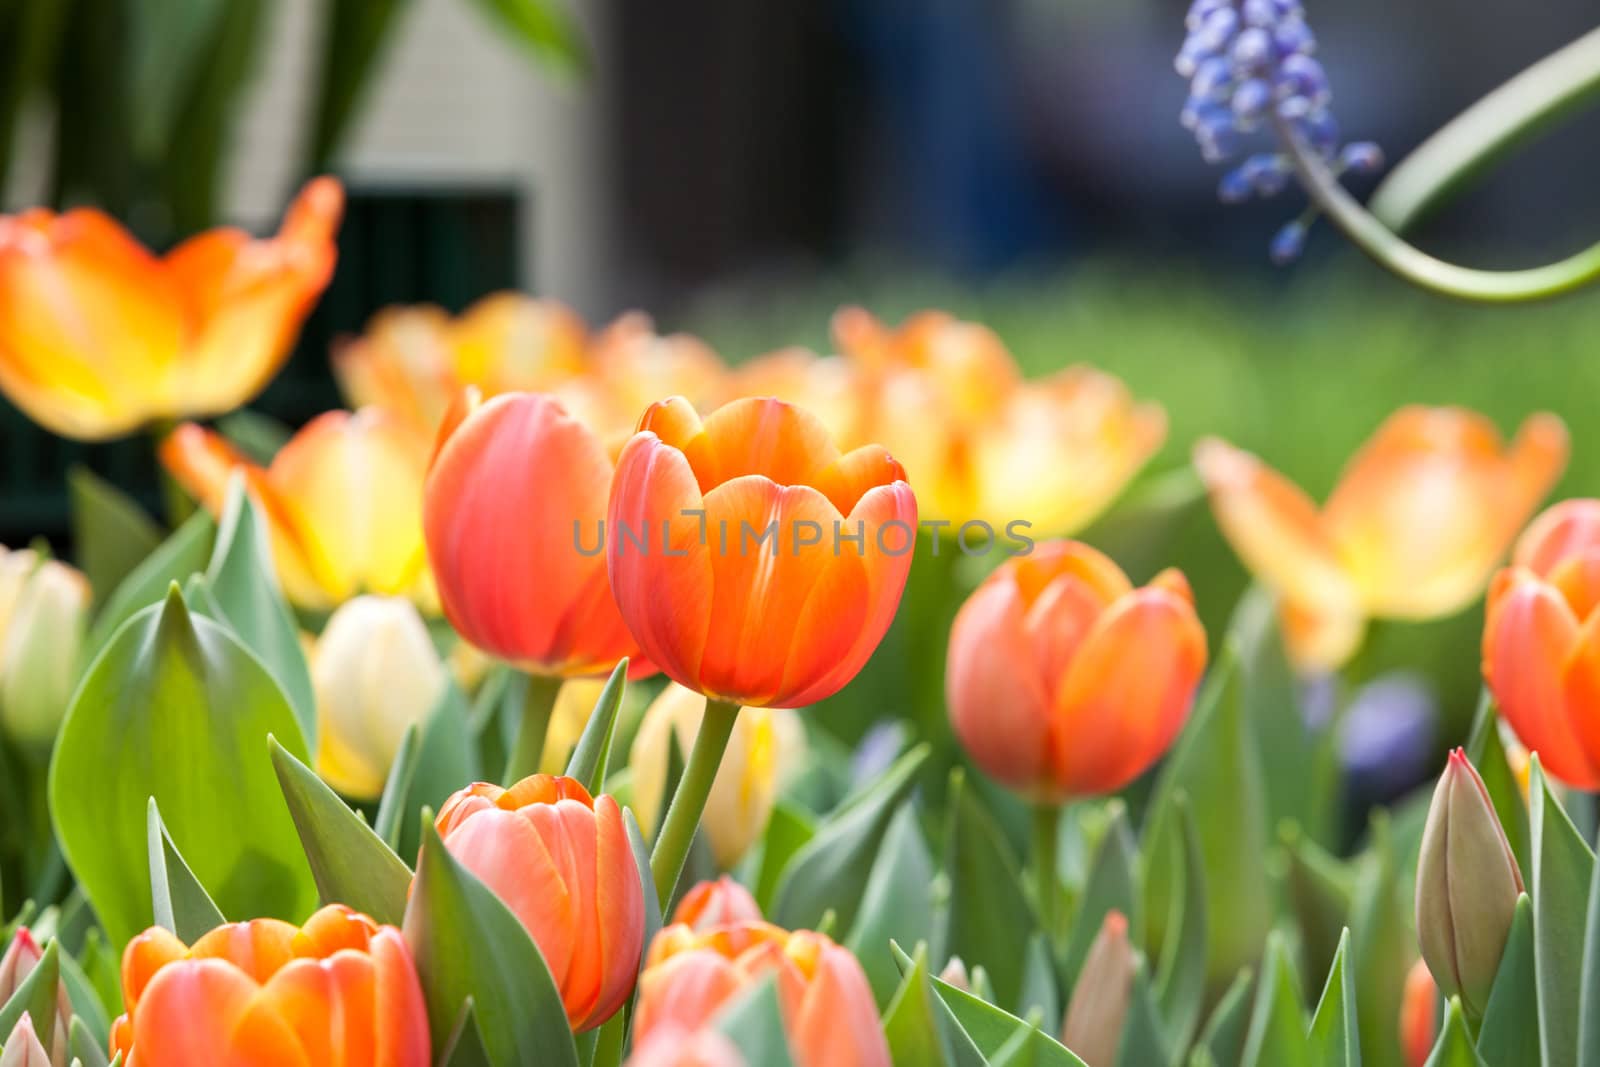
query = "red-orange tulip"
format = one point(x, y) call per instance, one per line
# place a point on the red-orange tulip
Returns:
point(343, 503)
point(561, 861)
point(717, 903)
point(339, 991)
point(1063, 680)
point(513, 514)
point(753, 562)
point(1541, 641)
point(828, 1011)
point(1419, 1015)
point(98, 336)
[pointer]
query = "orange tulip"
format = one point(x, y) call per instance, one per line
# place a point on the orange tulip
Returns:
point(830, 387)
point(983, 446)
point(343, 502)
point(753, 562)
point(630, 366)
point(513, 514)
point(828, 1011)
point(716, 903)
point(416, 360)
point(1415, 525)
point(1063, 680)
point(561, 861)
point(1419, 1015)
point(674, 1046)
point(98, 336)
point(1541, 641)
point(340, 990)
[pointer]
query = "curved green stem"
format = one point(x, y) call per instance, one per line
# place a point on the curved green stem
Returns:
point(1046, 834)
point(528, 749)
point(689, 799)
point(1468, 144)
point(1392, 251)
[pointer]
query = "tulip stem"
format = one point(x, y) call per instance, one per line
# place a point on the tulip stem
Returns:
point(689, 799)
point(1046, 835)
point(528, 749)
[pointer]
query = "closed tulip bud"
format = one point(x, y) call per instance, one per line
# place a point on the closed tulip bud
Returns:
point(342, 501)
point(676, 1046)
point(376, 673)
point(99, 337)
point(955, 974)
point(43, 608)
point(716, 903)
point(22, 1048)
point(828, 1012)
point(766, 747)
point(1063, 680)
point(1467, 887)
point(561, 861)
point(512, 513)
point(752, 561)
point(1541, 641)
point(21, 957)
point(1099, 1005)
point(340, 990)
point(1418, 520)
point(1419, 1015)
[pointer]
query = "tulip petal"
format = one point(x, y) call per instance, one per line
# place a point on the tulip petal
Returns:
point(200, 1011)
point(567, 828)
point(1567, 529)
point(328, 1003)
point(401, 1014)
point(619, 908)
point(684, 990)
point(766, 437)
point(1581, 692)
point(837, 1021)
point(847, 479)
point(1128, 691)
point(1321, 637)
point(1273, 526)
point(1528, 639)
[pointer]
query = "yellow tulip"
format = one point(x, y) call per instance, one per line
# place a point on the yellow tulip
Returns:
point(98, 336)
point(375, 673)
point(767, 746)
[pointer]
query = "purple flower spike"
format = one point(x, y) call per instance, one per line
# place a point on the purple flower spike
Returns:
point(1288, 243)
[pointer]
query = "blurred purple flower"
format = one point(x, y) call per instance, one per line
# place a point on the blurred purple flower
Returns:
point(1386, 738)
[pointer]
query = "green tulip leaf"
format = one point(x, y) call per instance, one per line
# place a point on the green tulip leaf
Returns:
point(1320, 889)
point(244, 582)
point(1488, 754)
point(88, 1010)
point(1277, 1034)
point(988, 919)
point(788, 830)
point(1041, 984)
point(647, 881)
point(467, 943)
point(1454, 1047)
point(1144, 1041)
point(593, 750)
point(1272, 706)
point(391, 817)
point(1335, 1038)
point(910, 1022)
point(1383, 944)
point(183, 553)
point(178, 900)
point(754, 1022)
point(36, 996)
point(1562, 869)
point(1181, 979)
point(464, 1046)
point(111, 533)
point(830, 871)
point(1217, 765)
point(101, 968)
point(351, 863)
point(1509, 1036)
point(177, 709)
point(897, 904)
point(1222, 1040)
point(447, 761)
point(85, 1046)
point(1112, 885)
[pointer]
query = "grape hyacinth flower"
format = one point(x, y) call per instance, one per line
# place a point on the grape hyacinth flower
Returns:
point(1252, 70)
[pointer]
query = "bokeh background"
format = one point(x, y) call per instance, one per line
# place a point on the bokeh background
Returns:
point(741, 169)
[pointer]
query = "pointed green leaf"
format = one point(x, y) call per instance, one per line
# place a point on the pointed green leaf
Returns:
point(351, 863)
point(989, 1028)
point(466, 943)
point(177, 709)
point(1041, 991)
point(754, 1022)
point(464, 1046)
point(1383, 944)
point(910, 1023)
point(111, 533)
point(446, 761)
point(984, 922)
point(85, 1046)
point(1222, 1039)
point(647, 881)
point(1562, 867)
point(1488, 754)
point(178, 901)
point(390, 820)
point(1335, 1038)
point(897, 904)
point(1217, 765)
point(1277, 1034)
point(244, 582)
point(1320, 889)
point(831, 870)
point(102, 968)
point(788, 830)
point(1589, 995)
point(1454, 1047)
point(1509, 1036)
point(1143, 1032)
point(180, 555)
point(1272, 706)
point(88, 1009)
point(36, 996)
point(1181, 980)
point(593, 750)
point(1112, 885)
